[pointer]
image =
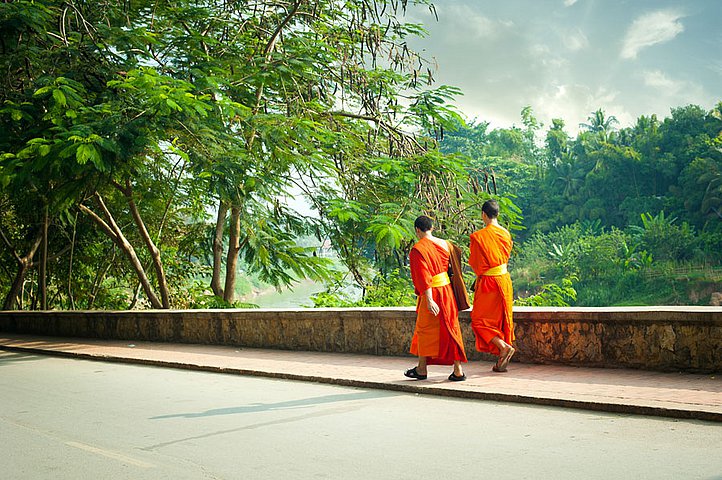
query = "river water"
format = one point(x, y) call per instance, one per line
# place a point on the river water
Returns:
point(298, 296)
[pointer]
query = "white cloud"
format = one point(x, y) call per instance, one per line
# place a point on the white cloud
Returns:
point(716, 66)
point(651, 29)
point(569, 3)
point(567, 66)
point(657, 79)
point(672, 92)
point(575, 40)
point(574, 103)
point(467, 24)
point(542, 60)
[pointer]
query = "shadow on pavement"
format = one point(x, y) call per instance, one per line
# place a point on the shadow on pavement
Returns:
point(13, 357)
point(292, 404)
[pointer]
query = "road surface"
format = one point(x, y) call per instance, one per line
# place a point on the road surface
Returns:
point(76, 419)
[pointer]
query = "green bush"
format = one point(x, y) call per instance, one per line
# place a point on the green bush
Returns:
point(551, 295)
point(392, 290)
point(648, 265)
point(665, 240)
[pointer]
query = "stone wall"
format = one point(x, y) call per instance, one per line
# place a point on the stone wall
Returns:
point(656, 338)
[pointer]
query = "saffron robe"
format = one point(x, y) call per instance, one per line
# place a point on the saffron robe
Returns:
point(436, 337)
point(491, 314)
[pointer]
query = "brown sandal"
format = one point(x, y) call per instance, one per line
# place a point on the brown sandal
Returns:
point(503, 361)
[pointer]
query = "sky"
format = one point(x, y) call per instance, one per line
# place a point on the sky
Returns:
point(568, 58)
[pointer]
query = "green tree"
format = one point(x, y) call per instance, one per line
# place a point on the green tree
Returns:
point(142, 116)
point(600, 125)
point(556, 141)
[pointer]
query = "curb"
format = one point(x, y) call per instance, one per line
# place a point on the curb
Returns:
point(398, 387)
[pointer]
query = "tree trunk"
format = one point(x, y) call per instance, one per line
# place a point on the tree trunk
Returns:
point(136, 295)
point(218, 249)
point(24, 264)
point(70, 266)
point(113, 231)
point(16, 288)
point(234, 247)
point(228, 292)
point(152, 248)
point(99, 277)
point(43, 273)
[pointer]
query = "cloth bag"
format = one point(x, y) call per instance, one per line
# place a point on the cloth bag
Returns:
point(457, 278)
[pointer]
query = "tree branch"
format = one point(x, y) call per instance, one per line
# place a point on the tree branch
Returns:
point(101, 223)
point(12, 249)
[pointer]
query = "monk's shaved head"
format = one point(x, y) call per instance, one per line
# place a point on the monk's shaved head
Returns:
point(491, 208)
point(424, 223)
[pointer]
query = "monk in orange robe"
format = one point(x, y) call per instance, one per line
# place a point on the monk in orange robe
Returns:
point(491, 316)
point(437, 337)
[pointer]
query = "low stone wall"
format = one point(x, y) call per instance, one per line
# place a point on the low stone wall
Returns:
point(655, 338)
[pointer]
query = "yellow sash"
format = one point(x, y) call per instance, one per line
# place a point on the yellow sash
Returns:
point(440, 279)
point(496, 271)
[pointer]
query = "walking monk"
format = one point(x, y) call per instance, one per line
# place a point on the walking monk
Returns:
point(491, 316)
point(437, 337)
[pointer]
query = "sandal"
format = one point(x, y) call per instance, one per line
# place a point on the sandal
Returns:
point(454, 378)
point(503, 361)
point(413, 373)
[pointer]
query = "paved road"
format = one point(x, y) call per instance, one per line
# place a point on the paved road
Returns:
point(76, 419)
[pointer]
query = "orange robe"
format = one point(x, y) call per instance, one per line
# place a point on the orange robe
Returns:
point(436, 337)
point(491, 314)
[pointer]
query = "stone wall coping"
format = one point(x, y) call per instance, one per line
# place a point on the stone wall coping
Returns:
point(653, 308)
point(645, 314)
point(653, 314)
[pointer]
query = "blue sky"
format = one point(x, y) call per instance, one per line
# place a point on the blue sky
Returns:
point(567, 58)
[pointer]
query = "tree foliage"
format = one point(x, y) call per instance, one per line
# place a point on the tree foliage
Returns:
point(614, 209)
point(126, 125)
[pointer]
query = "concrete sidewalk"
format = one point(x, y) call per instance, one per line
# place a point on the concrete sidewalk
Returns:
point(679, 395)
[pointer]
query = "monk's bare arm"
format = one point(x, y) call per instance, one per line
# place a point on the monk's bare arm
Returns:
point(433, 306)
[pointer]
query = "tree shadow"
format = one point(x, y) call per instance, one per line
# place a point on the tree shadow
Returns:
point(7, 357)
point(260, 407)
point(291, 404)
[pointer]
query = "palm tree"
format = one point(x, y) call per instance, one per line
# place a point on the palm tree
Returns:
point(712, 200)
point(567, 175)
point(601, 125)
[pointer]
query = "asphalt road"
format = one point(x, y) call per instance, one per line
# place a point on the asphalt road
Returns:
point(77, 419)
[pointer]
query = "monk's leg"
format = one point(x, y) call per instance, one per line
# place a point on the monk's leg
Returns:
point(457, 368)
point(506, 351)
point(500, 344)
point(419, 371)
point(421, 367)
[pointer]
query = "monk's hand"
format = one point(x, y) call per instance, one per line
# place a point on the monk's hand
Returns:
point(433, 307)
